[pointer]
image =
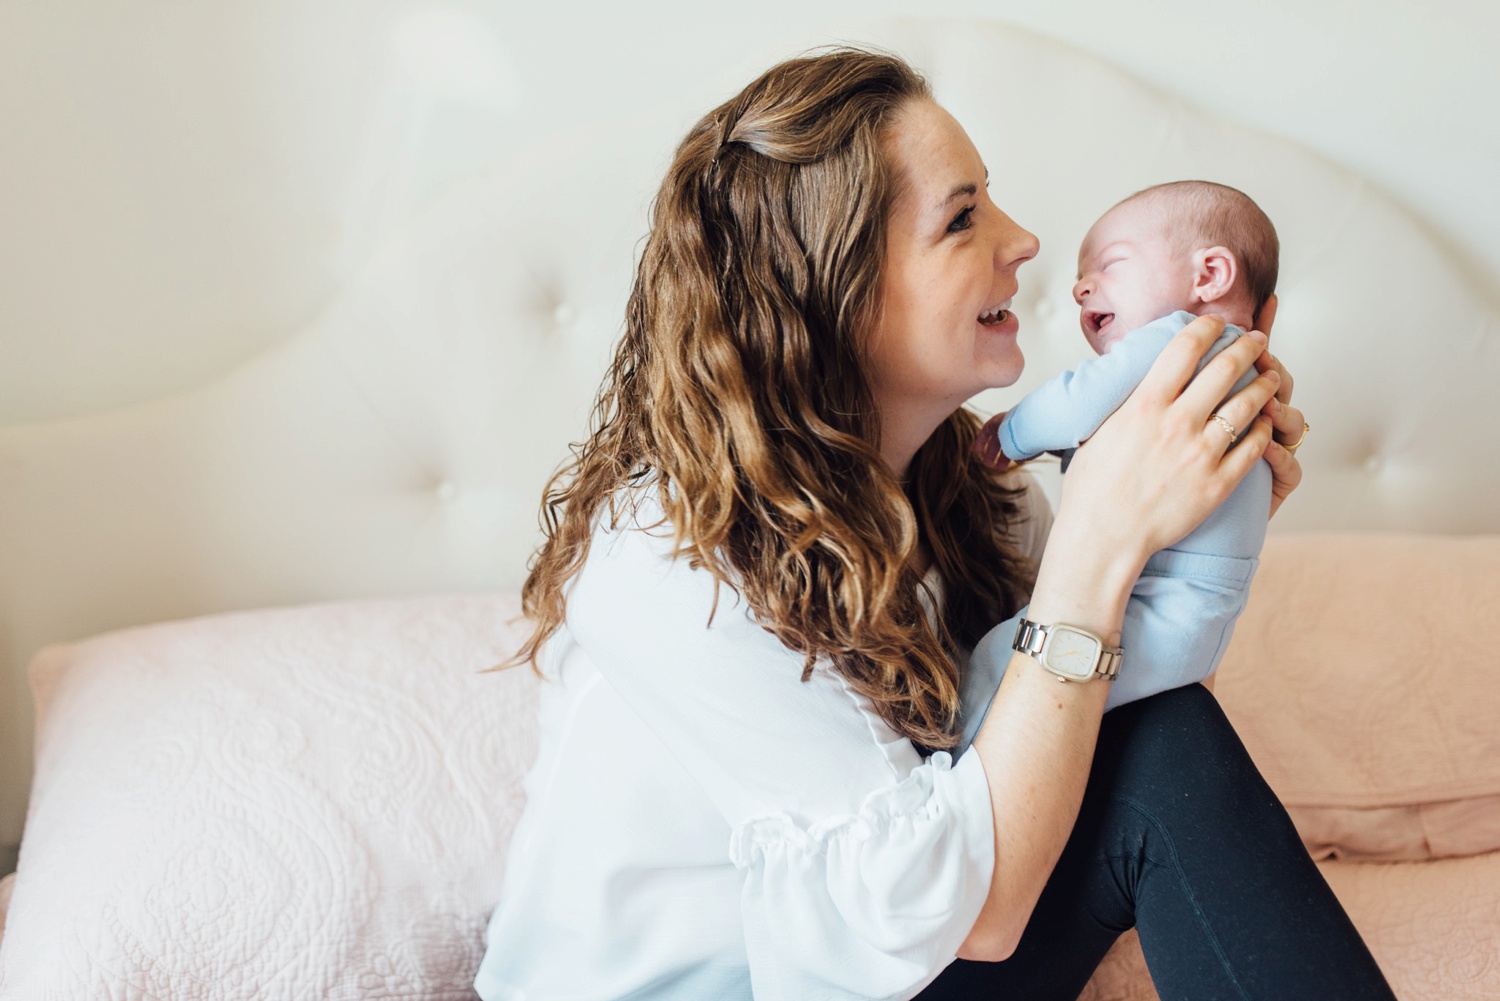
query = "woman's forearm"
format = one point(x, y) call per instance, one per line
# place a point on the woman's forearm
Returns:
point(1037, 743)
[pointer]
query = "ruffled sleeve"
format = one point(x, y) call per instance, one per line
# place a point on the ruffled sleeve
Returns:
point(864, 865)
point(872, 904)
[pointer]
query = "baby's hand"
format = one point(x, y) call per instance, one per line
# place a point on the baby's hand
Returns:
point(987, 445)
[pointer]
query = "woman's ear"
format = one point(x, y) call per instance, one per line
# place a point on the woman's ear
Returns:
point(1214, 272)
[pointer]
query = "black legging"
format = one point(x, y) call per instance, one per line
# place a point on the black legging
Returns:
point(1180, 837)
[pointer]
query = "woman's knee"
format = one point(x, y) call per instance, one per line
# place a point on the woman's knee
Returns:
point(1179, 749)
point(1183, 724)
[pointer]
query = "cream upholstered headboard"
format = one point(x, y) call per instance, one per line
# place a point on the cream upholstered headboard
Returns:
point(399, 444)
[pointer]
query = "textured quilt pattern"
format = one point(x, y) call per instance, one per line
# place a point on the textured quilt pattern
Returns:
point(293, 804)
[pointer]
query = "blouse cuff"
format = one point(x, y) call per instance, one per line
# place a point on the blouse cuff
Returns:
point(873, 904)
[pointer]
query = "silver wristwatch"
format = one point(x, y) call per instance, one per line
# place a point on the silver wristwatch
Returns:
point(1071, 653)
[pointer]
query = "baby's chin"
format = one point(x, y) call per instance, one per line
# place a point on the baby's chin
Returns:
point(1103, 339)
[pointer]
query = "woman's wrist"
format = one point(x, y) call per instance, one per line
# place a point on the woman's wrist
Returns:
point(1084, 581)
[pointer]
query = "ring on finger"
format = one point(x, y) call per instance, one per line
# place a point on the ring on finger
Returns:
point(1293, 446)
point(1228, 427)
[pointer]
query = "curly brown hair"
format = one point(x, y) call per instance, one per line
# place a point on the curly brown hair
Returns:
point(738, 395)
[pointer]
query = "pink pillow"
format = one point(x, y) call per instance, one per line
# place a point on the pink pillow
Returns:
point(304, 803)
point(1364, 677)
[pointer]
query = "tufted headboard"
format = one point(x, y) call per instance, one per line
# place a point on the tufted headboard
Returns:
point(399, 444)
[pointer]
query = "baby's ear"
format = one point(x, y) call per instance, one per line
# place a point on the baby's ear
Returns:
point(1214, 273)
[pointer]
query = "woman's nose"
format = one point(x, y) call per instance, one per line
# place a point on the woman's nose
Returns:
point(1017, 245)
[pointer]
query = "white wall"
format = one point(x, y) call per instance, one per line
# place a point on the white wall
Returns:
point(184, 185)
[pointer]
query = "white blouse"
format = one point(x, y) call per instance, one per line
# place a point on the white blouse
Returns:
point(702, 824)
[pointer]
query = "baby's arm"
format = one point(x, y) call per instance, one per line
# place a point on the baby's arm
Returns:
point(1065, 411)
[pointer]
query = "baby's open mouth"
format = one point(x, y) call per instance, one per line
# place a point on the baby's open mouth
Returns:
point(1094, 322)
point(993, 316)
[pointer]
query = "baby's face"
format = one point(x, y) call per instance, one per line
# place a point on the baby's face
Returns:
point(1128, 275)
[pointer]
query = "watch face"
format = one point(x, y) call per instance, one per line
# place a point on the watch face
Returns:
point(1071, 653)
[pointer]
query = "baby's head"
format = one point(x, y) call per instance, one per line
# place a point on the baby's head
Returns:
point(1190, 245)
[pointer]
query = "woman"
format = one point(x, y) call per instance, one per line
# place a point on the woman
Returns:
point(764, 571)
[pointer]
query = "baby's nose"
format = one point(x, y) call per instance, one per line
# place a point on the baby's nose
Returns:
point(1081, 289)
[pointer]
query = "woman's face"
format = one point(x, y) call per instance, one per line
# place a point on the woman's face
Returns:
point(944, 330)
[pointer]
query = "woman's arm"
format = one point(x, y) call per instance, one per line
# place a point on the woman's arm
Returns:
point(1150, 474)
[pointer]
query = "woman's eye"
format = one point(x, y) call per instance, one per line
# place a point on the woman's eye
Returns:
point(964, 220)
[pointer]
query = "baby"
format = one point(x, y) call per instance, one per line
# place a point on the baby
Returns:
point(1145, 269)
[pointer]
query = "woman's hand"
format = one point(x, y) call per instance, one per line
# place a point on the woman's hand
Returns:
point(1156, 468)
point(1287, 420)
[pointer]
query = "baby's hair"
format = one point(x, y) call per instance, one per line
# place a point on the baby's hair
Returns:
point(1205, 214)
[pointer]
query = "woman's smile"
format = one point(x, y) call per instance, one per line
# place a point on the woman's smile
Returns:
point(1000, 320)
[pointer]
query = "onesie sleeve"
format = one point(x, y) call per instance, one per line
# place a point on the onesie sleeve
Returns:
point(1064, 411)
point(864, 865)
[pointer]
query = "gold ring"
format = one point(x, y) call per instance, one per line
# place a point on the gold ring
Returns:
point(1293, 446)
point(1228, 428)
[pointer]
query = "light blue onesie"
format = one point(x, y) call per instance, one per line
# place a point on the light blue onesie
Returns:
point(1183, 608)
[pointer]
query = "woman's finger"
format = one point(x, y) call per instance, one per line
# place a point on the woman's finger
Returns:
point(1267, 315)
point(1266, 362)
point(1174, 367)
point(1288, 422)
point(1286, 473)
point(1251, 448)
point(1218, 377)
point(1236, 414)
